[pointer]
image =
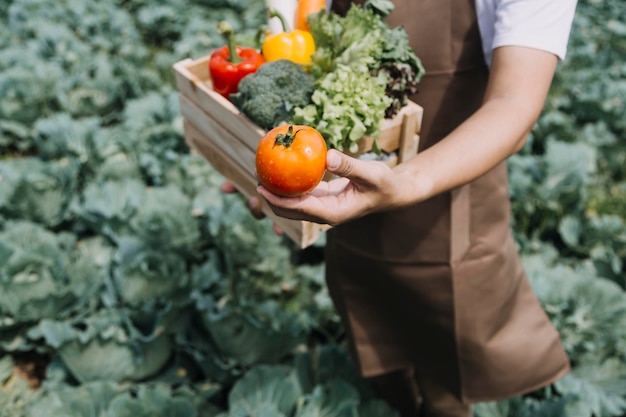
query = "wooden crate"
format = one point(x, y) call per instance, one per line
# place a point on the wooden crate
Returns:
point(227, 139)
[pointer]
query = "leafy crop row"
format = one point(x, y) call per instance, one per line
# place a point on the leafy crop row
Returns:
point(130, 285)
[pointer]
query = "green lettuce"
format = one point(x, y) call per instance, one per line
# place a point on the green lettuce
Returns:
point(346, 106)
point(364, 41)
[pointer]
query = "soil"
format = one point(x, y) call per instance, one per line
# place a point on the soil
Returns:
point(31, 366)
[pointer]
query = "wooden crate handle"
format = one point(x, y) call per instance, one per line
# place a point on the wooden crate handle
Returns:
point(409, 139)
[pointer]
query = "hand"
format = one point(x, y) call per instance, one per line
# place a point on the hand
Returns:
point(363, 187)
point(253, 204)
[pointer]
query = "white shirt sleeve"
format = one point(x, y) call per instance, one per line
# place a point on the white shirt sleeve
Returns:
point(539, 24)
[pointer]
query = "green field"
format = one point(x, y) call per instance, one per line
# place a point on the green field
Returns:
point(130, 285)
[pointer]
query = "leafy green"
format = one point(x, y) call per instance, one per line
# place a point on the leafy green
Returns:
point(104, 398)
point(273, 333)
point(591, 400)
point(268, 388)
point(152, 401)
point(165, 221)
point(590, 313)
point(143, 274)
point(363, 41)
point(61, 136)
point(160, 24)
point(335, 398)
point(347, 105)
point(584, 307)
point(89, 400)
point(364, 70)
point(160, 218)
point(524, 406)
point(39, 191)
point(151, 134)
point(107, 206)
point(40, 276)
point(88, 346)
point(27, 94)
point(329, 363)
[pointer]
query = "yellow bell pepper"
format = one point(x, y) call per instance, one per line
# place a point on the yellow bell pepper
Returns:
point(297, 45)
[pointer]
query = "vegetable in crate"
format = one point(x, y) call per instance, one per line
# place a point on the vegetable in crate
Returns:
point(346, 106)
point(291, 159)
point(296, 45)
point(363, 41)
point(304, 9)
point(268, 97)
point(229, 64)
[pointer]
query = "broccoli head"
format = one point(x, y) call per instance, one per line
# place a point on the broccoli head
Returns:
point(266, 110)
point(269, 95)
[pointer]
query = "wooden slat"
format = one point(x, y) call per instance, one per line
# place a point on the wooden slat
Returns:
point(409, 141)
point(196, 86)
point(217, 135)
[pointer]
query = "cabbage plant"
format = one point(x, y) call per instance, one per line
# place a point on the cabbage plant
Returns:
point(39, 277)
point(36, 190)
point(110, 344)
point(107, 399)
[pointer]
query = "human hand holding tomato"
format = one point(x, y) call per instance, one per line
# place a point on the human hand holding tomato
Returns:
point(362, 187)
point(287, 169)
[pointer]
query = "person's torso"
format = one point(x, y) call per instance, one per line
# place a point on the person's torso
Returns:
point(446, 37)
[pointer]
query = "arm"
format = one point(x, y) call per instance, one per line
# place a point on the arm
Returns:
point(519, 82)
point(518, 85)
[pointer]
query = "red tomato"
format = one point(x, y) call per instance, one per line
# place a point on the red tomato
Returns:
point(291, 159)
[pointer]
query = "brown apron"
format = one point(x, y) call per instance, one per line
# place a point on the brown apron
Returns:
point(439, 286)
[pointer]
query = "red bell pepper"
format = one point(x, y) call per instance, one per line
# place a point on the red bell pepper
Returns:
point(230, 63)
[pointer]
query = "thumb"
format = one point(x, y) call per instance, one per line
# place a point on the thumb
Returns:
point(338, 163)
point(342, 165)
point(364, 173)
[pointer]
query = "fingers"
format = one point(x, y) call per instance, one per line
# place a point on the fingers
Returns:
point(305, 207)
point(228, 187)
point(332, 187)
point(360, 188)
point(278, 230)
